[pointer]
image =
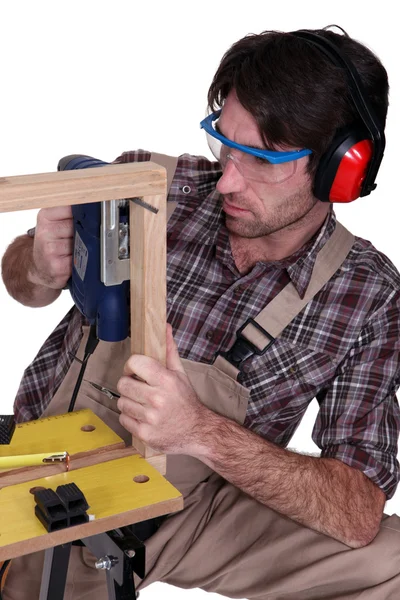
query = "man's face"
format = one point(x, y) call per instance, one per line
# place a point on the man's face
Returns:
point(254, 209)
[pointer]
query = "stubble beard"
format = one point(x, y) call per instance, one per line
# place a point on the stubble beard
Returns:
point(291, 214)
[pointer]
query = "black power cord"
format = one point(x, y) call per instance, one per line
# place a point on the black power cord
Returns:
point(90, 347)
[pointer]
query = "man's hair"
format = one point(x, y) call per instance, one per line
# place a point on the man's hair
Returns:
point(298, 97)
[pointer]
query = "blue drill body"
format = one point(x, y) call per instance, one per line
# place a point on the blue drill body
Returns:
point(105, 306)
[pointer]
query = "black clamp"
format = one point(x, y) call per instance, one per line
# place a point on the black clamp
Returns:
point(62, 508)
point(242, 348)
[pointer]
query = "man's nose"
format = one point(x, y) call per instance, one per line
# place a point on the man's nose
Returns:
point(231, 180)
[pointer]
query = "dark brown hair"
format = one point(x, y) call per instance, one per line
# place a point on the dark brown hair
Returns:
point(296, 94)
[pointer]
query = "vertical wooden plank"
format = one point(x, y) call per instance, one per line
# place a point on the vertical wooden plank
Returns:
point(148, 285)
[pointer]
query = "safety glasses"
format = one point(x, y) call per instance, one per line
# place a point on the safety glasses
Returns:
point(264, 166)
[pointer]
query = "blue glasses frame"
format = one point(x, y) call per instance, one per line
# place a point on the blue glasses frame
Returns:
point(273, 156)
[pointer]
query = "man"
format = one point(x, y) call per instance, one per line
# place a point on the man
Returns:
point(259, 521)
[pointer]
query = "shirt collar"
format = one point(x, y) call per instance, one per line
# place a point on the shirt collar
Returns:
point(203, 226)
point(300, 265)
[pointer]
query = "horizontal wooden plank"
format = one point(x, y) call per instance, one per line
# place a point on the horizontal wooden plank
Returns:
point(82, 434)
point(113, 182)
point(74, 432)
point(78, 461)
point(113, 491)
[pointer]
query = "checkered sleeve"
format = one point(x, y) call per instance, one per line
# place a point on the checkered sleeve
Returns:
point(42, 378)
point(359, 418)
point(133, 156)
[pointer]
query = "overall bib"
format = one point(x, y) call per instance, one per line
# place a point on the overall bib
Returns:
point(224, 541)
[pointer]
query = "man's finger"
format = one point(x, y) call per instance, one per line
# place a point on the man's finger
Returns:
point(131, 389)
point(132, 409)
point(149, 370)
point(144, 369)
point(55, 213)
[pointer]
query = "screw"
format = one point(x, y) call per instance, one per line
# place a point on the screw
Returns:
point(106, 562)
point(130, 553)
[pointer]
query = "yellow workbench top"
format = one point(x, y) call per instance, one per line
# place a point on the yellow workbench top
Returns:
point(119, 491)
point(114, 497)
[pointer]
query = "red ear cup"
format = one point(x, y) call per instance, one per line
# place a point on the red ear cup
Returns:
point(350, 175)
point(342, 169)
point(349, 167)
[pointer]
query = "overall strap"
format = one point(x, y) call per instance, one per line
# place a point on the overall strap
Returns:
point(256, 335)
point(169, 162)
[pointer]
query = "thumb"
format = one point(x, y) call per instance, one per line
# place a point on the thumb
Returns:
point(173, 361)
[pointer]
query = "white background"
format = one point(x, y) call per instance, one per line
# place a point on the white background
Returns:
point(99, 78)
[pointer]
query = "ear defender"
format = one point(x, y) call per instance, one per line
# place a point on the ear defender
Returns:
point(348, 169)
point(343, 168)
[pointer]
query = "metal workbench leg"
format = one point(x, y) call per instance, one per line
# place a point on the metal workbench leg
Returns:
point(55, 570)
point(120, 553)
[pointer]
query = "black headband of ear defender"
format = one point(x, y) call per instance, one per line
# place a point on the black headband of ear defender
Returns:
point(360, 100)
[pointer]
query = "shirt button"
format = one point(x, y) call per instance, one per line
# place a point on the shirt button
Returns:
point(246, 368)
point(238, 291)
point(210, 334)
point(186, 189)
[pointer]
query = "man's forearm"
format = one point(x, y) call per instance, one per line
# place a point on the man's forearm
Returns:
point(323, 494)
point(17, 272)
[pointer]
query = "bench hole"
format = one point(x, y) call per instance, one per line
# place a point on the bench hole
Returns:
point(141, 479)
point(88, 428)
point(38, 488)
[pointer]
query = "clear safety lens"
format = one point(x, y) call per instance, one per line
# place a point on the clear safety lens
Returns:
point(249, 166)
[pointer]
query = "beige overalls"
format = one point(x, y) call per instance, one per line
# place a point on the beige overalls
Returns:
point(224, 541)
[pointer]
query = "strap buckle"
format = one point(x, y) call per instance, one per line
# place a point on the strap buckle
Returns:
point(242, 348)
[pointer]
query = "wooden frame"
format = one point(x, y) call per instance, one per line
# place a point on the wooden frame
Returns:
point(147, 181)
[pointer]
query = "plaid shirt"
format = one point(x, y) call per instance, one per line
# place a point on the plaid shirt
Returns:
point(343, 348)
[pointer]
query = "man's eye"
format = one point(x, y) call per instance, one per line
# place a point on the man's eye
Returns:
point(262, 161)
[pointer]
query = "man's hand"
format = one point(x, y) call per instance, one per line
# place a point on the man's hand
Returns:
point(163, 409)
point(52, 248)
point(35, 270)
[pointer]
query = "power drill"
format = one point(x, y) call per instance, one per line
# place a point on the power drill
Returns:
point(99, 284)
